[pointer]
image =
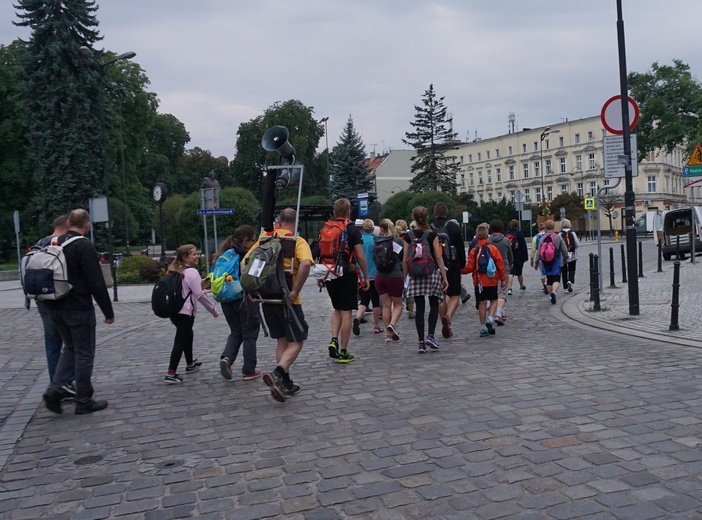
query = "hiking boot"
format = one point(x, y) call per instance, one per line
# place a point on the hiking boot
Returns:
point(421, 349)
point(490, 328)
point(225, 368)
point(194, 367)
point(90, 407)
point(345, 357)
point(334, 349)
point(509, 292)
point(392, 333)
point(569, 286)
point(356, 328)
point(173, 379)
point(52, 400)
point(446, 327)
point(431, 342)
point(251, 375)
point(278, 390)
point(553, 298)
point(484, 333)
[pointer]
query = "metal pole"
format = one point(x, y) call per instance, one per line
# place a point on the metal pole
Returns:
point(675, 304)
point(216, 242)
point(623, 264)
point(693, 221)
point(124, 178)
point(660, 257)
point(593, 281)
point(629, 195)
point(596, 286)
point(641, 275)
point(207, 247)
point(160, 231)
point(611, 268)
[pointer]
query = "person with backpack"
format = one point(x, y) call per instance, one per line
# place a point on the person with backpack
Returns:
point(520, 255)
point(454, 256)
point(535, 241)
point(371, 295)
point(242, 314)
point(504, 246)
point(74, 317)
point(572, 244)
point(424, 270)
point(185, 264)
point(486, 266)
point(341, 247)
point(402, 228)
point(387, 254)
point(550, 256)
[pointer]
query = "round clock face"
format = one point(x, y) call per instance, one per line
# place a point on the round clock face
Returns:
point(158, 193)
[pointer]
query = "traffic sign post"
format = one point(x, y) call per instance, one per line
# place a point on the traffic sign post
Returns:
point(614, 158)
point(611, 115)
point(590, 203)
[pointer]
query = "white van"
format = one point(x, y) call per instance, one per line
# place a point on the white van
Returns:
point(677, 232)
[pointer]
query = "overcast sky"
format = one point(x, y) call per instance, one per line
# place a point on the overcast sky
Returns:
point(217, 63)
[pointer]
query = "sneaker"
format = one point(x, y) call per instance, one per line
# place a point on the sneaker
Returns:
point(522, 288)
point(52, 400)
point(334, 349)
point(356, 327)
point(509, 292)
point(569, 286)
point(465, 295)
point(553, 298)
point(490, 328)
point(431, 342)
point(421, 349)
point(411, 315)
point(225, 368)
point(90, 407)
point(446, 327)
point(345, 357)
point(292, 388)
point(388, 339)
point(279, 392)
point(68, 392)
point(394, 336)
point(194, 367)
point(363, 320)
point(252, 375)
point(484, 333)
point(172, 379)
point(545, 290)
point(499, 321)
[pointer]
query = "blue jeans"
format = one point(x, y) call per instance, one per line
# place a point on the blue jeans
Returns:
point(77, 328)
point(52, 340)
point(244, 323)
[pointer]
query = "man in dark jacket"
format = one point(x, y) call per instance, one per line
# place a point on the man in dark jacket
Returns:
point(454, 259)
point(74, 317)
point(520, 253)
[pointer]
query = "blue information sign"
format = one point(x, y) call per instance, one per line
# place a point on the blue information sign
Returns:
point(220, 211)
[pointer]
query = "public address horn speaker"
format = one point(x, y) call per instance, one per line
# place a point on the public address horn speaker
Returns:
point(276, 140)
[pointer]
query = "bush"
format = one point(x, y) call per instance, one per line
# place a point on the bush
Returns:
point(151, 271)
point(138, 269)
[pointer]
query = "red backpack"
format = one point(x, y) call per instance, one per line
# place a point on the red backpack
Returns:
point(421, 262)
point(333, 243)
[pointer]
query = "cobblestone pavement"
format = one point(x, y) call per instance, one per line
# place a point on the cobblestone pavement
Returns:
point(552, 418)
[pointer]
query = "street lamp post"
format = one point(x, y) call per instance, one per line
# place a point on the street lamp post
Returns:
point(103, 66)
point(544, 134)
point(325, 120)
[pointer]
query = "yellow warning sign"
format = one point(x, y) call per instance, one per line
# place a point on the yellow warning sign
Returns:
point(696, 156)
point(590, 203)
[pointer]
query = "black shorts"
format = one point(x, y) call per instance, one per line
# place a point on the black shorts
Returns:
point(371, 295)
point(487, 294)
point(517, 268)
point(282, 325)
point(553, 278)
point(344, 292)
point(453, 276)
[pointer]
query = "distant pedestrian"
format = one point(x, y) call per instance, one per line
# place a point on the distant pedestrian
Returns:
point(572, 244)
point(422, 245)
point(371, 295)
point(243, 315)
point(388, 278)
point(504, 246)
point(550, 256)
point(485, 285)
point(185, 263)
point(520, 254)
point(536, 239)
point(402, 228)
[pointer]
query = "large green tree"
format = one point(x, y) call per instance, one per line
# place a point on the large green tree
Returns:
point(62, 91)
point(432, 137)
point(347, 166)
point(670, 99)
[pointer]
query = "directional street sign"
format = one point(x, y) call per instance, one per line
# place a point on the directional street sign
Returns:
point(589, 203)
point(220, 211)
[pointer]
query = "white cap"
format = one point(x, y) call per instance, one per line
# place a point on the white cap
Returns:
point(359, 222)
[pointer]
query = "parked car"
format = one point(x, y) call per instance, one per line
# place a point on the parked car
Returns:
point(677, 231)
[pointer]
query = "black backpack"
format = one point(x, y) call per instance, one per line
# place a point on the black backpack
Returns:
point(448, 252)
point(383, 254)
point(167, 297)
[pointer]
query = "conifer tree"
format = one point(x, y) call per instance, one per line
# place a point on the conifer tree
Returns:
point(432, 137)
point(62, 96)
point(347, 166)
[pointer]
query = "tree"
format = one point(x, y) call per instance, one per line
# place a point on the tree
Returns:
point(62, 92)
point(167, 137)
point(398, 206)
point(670, 99)
point(432, 137)
point(573, 205)
point(609, 200)
point(347, 165)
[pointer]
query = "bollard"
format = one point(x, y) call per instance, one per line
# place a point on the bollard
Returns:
point(641, 275)
point(677, 247)
point(660, 257)
point(675, 305)
point(596, 282)
point(623, 265)
point(592, 274)
point(611, 268)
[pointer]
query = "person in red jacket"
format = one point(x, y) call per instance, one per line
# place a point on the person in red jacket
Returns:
point(485, 285)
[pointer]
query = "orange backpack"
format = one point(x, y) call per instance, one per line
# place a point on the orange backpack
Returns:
point(333, 243)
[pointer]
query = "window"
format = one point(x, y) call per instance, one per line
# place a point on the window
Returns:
point(509, 150)
point(489, 176)
point(579, 189)
point(497, 153)
point(511, 173)
point(549, 193)
point(549, 170)
point(472, 183)
point(590, 137)
point(480, 177)
point(536, 146)
point(538, 194)
point(525, 170)
point(593, 188)
point(487, 155)
point(651, 183)
point(560, 141)
point(490, 197)
point(524, 148)
point(498, 174)
point(564, 189)
point(461, 159)
point(499, 195)
point(511, 196)
point(578, 162)
point(463, 179)
point(562, 164)
point(479, 157)
point(577, 138)
point(606, 183)
point(480, 198)
point(470, 157)
point(547, 145)
point(591, 164)
point(527, 197)
point(537, 169)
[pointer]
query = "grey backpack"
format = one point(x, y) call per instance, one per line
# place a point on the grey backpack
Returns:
point(44, 272)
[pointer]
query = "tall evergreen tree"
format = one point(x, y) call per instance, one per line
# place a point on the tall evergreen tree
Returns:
point(62, 95)
point(432, 137)
point(347, 166)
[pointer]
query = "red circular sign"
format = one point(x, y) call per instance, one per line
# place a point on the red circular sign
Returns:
point(611, 115)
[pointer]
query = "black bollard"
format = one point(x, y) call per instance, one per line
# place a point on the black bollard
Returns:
point(677, 247)
point(623, 265)
point(675, 305)
point(592, 274)
point(611, 268)
point(660, 257)
point(641, 275)
point(596, 282)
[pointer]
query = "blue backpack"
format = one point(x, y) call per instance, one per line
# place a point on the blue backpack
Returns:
point(224, 278)
point(484, 261)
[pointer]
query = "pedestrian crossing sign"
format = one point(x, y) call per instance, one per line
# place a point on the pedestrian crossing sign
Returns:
point(695, 156)
point(589, 203)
